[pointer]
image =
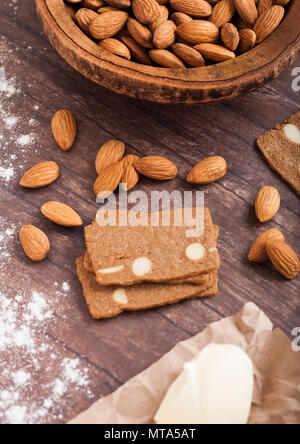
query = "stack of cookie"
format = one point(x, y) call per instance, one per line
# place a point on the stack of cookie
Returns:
point(129, 267)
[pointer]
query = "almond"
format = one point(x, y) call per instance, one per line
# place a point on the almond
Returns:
point(122, 4)
point(264, 5)
point(64, 129)
point(194, 8)
point(283, 257)
point(223, 12)
point(247, 11)
point(146, 11)
point(84, 18)
point(189, 55)
point(208, 170)
point(91, 4)
point(164, 15)
point(108, 180)
point(130, 178)
point(111, 152)
point(108, 24)
point(164, 35)
point(247, 40)
point(115, 47)
point(267, 203)
point(166, 59)
point(258, 252)
point(230, 36)
point(215, 53)
point(140, 33)
point(137, 51)
point(179, 18)
point(198, 31)
point(61, 214)
point(35, 243)
point(40, 175)
point(156, 167)
point(267, 22)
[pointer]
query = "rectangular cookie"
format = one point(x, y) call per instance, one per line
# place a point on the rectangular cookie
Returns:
point(131, 255)
point(281, 148)
point(107, 302)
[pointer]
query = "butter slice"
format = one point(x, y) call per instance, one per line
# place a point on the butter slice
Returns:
point(216, 387)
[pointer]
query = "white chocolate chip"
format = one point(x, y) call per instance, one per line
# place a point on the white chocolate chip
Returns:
point(292, 132)
point(141, 266)
point(195, 252)
point(120, 297)
point(111, 270)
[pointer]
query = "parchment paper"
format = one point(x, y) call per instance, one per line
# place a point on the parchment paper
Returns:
point(277, 374)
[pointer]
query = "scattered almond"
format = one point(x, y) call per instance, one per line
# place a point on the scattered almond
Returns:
point(208, 171)
point(267, 203)
point(61, 214)
point(35, 243)
point(130, 178)
point(40, 175)
point(283, 257)
point(111, 152)
point(108, 180)
point(64, 129)
point(156, 167)
point(258, 252)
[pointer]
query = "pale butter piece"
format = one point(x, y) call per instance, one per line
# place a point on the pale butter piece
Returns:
point(292, 133)
point(195, 252)
point(120, 297)
point(141, 266)
point(216, 387)
point(111, 270)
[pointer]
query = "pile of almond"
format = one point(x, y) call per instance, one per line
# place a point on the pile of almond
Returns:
point(177, 33)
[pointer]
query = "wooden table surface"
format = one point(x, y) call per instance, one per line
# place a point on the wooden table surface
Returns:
point(106, 354)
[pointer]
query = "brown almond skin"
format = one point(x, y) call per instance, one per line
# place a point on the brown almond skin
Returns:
point(267, 203)
point(40, 175)
point(61, 214)
point(258, 252)
point(208, 171)
point(35, 243)
point(64, 129)
point(111, 151)
point(108, 180)
point(283, 258)
point(155, 167)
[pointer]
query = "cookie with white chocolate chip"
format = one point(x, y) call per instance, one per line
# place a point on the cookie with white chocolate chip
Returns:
point(281, 148)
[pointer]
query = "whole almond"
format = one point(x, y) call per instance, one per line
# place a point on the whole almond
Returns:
point(267, 203)
point(130, 178)
point(165, 58)
point(264, 5)
point(108, 180)
point(91, 4)
point(140, 33)
point(189, 55)
point(215, 53)
point(146, 11)
point(156, 167)
point(164, 35)
point(198, 31)
point(194, 8)
point(64, 129)
point(230, 36)
point(208, 170)
point(223, 12)
point(137, 51)
point(179, 18)
point(35, 243)
point(111, 152)
point(247, 11)
point(40, 175)
point(247, 40)
point(108, 24)
point(283, 257)
point(164, 15)
point(258, 252)
point(115, 47)
point(267, 22)
point(61, 214)
point(121, 4)
point(84, 17)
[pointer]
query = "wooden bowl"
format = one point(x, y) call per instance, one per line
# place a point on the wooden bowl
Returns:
point(216, 82)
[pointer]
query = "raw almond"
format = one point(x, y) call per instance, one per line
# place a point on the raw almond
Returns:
point(189, 55)
point(215, 53)
point(122, 4)
point(156, 167)
point(91, 4)
point(198, 31)
point(64, 129)
point(84, 17)
point(108, 180)
point(165, 58)
point(146, 11)
point(247, 11)
point(267, 22)
point(40, 175)
point(264, 5)
point(108, 24)
point(223, 12)
point(115, 47)
point(137, 51)
point(247, 40)
point(35, 243)
point(164, 15)
point(230, 36)
point(61, 214)
point(180, 17)
point(267, 203)
point(164, 35)
point(208, 170)
point(140, 33)
point(130, 178)
point(258, 252)
point(283, 257)
point(111, 152)
point(194, 8)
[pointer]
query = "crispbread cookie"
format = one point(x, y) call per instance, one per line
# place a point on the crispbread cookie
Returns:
point(281, 148)
point(130, 255)
point(107, 302)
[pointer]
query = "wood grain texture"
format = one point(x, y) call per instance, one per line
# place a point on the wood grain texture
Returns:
point(117, 349)
point(216, 82)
